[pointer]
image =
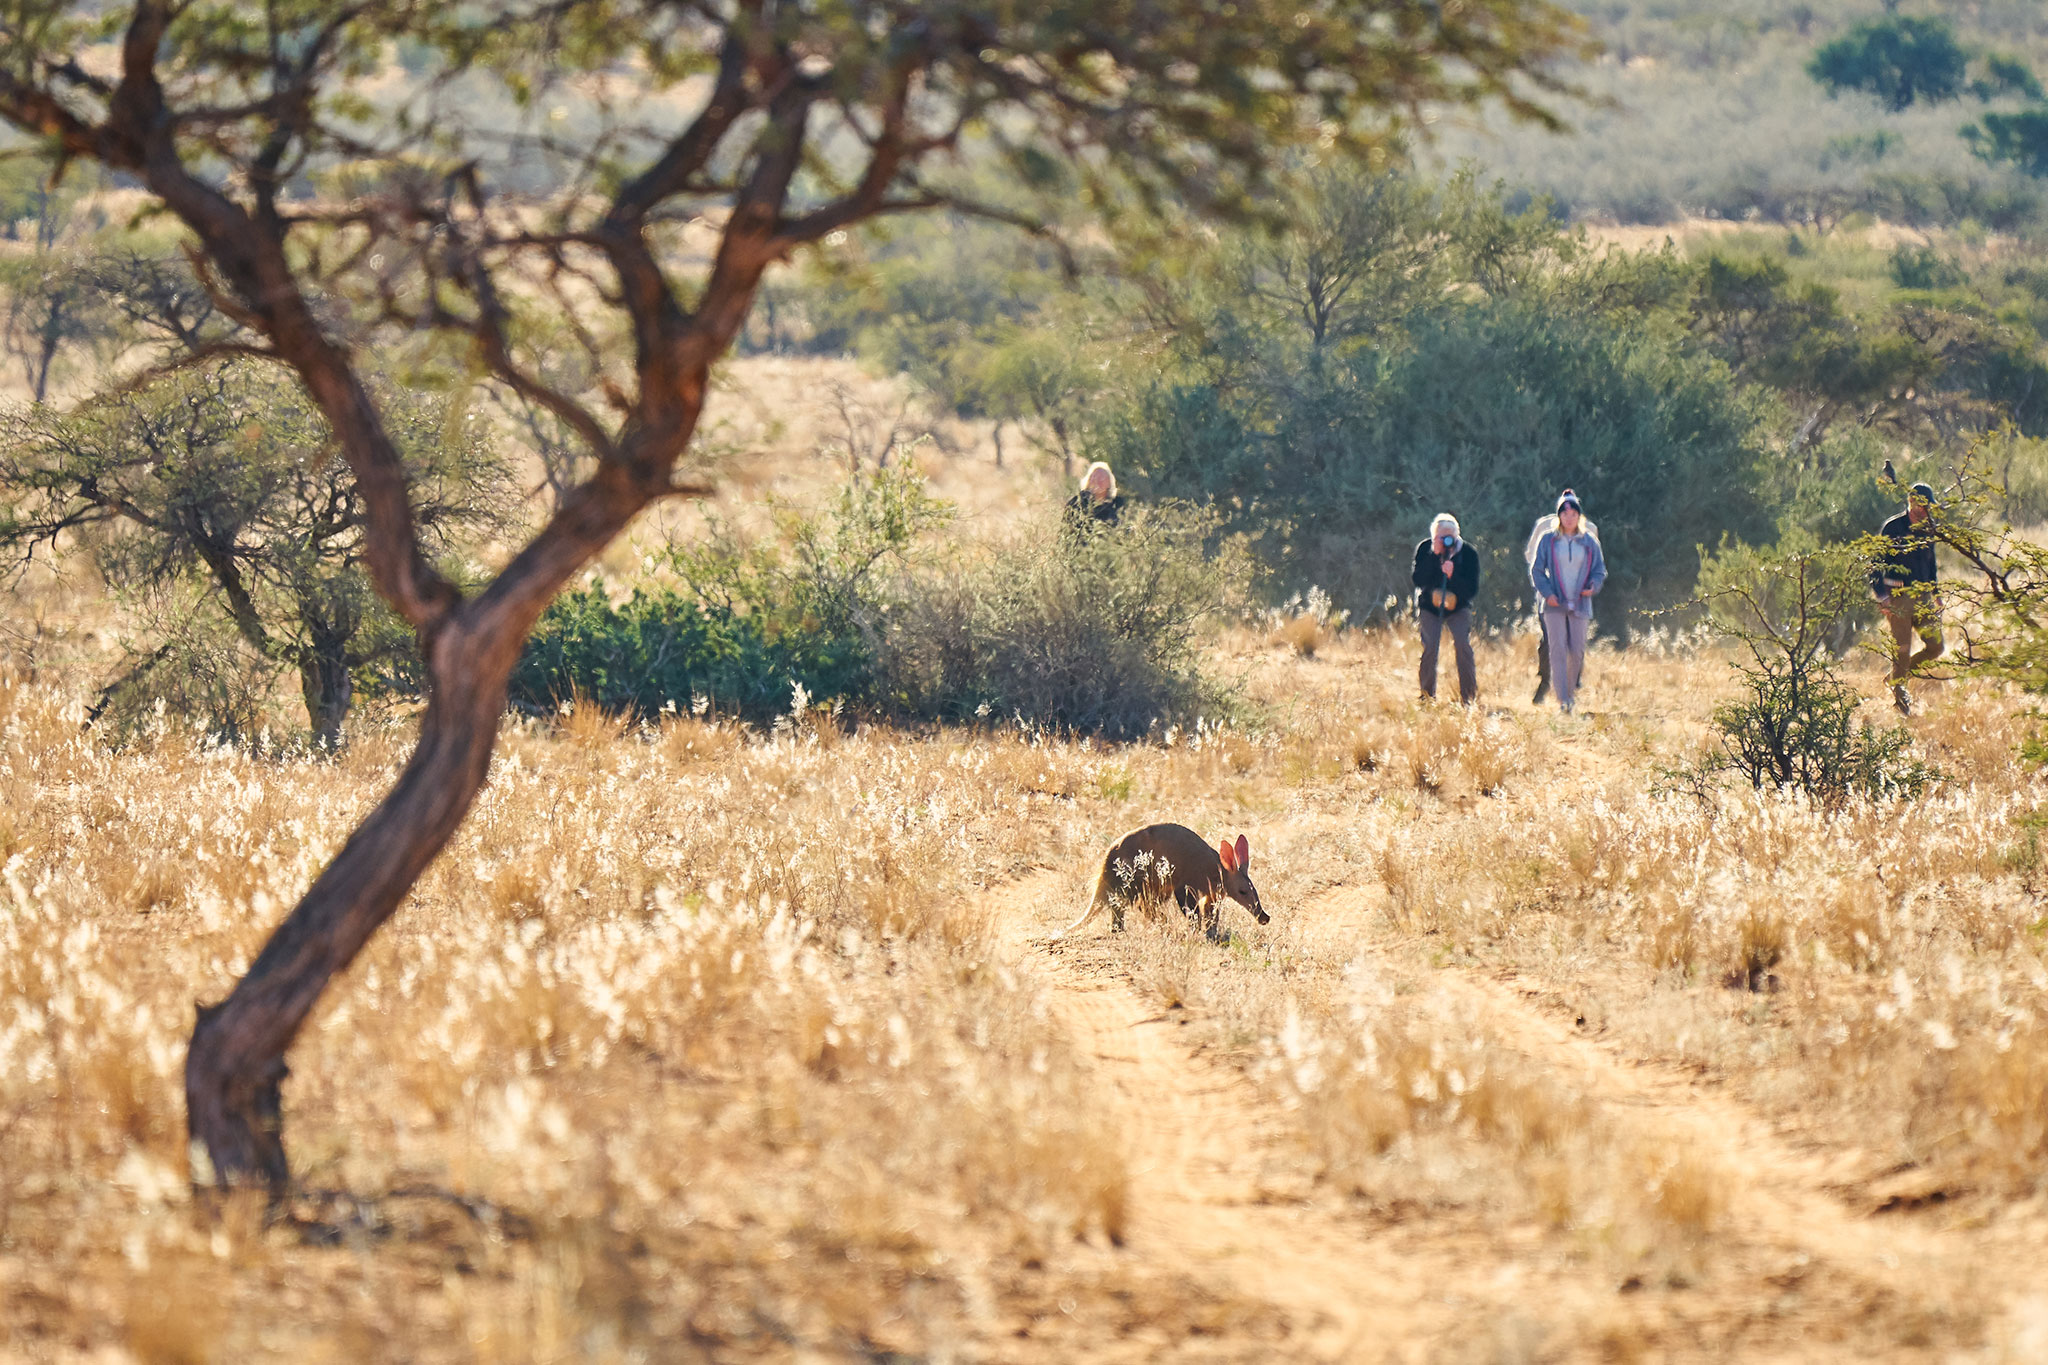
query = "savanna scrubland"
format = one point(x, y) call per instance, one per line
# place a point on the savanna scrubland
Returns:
point(732, 1024)
point(703, 1041)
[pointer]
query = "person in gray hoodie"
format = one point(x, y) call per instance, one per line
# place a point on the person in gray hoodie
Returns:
point(1544, 523)
point(1567, 570)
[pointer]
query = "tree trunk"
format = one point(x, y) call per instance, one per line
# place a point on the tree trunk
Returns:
point(329, 689)
point(235, 1065)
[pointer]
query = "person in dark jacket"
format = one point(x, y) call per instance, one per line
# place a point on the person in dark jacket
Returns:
point(1098, 501)
point(1446, 576)
point(1903, 581)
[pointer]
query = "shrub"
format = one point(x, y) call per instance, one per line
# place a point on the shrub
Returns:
point(1084, 627)
point(662, 648)
point(1923, 267)
point(741, 625)
point(1795, 724)
point(1093, 629)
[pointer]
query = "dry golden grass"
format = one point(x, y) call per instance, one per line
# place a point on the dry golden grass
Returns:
point(652, 1022)
point(1302, 634)
point(705, 1043)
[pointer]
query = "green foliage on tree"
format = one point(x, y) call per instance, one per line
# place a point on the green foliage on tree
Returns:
point(983, 318)
point(1934, 363)
point(219, 487)
point(1394, 351)
point(1796, 338)
point(1904, 60)
point(1901, 59)
point(2004, 74)
point(2017, 139)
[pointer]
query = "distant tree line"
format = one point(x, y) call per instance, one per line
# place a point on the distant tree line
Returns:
point(1384, 347)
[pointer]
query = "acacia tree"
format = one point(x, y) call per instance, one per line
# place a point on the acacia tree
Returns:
point(767, 124)
point(217, 474)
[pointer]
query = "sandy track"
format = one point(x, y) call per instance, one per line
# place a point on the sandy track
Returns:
point(1218, 1193)
point(1201, 1143)
point(1786, 1205)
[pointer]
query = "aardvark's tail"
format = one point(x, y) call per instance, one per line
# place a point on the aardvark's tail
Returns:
point(1096, 901)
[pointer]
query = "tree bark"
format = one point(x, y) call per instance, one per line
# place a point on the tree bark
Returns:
point(328, 686)
point(235, 1066)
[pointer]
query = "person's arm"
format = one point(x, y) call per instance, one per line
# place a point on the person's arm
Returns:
point(1888, 573)
point(1465, 578)
point(1539, 573)
point(1596, 572)
point(1426, 575)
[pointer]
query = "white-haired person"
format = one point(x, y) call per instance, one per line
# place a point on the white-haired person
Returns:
point(1097, 501)
point(1446, 577)
point(1566, 569)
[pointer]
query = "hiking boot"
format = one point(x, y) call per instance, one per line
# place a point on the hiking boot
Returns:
point(1902, 699)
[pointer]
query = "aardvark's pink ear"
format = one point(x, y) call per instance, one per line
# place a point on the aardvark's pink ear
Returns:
point(1228, 854)
point(1244, 852)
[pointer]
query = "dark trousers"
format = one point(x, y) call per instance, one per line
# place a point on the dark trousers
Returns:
point(1460, 624)
point(1542, 661)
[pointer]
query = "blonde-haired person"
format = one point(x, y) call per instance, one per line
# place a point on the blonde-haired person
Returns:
point(1098, 501)
point(1446, 576)
point(1566, 569)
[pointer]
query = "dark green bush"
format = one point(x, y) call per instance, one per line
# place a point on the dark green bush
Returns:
point(739, 624)
point(663, 646)
point(1083, 627)
point(1923, 267)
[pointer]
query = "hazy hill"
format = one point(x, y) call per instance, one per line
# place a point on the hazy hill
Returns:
point(1708, 110)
